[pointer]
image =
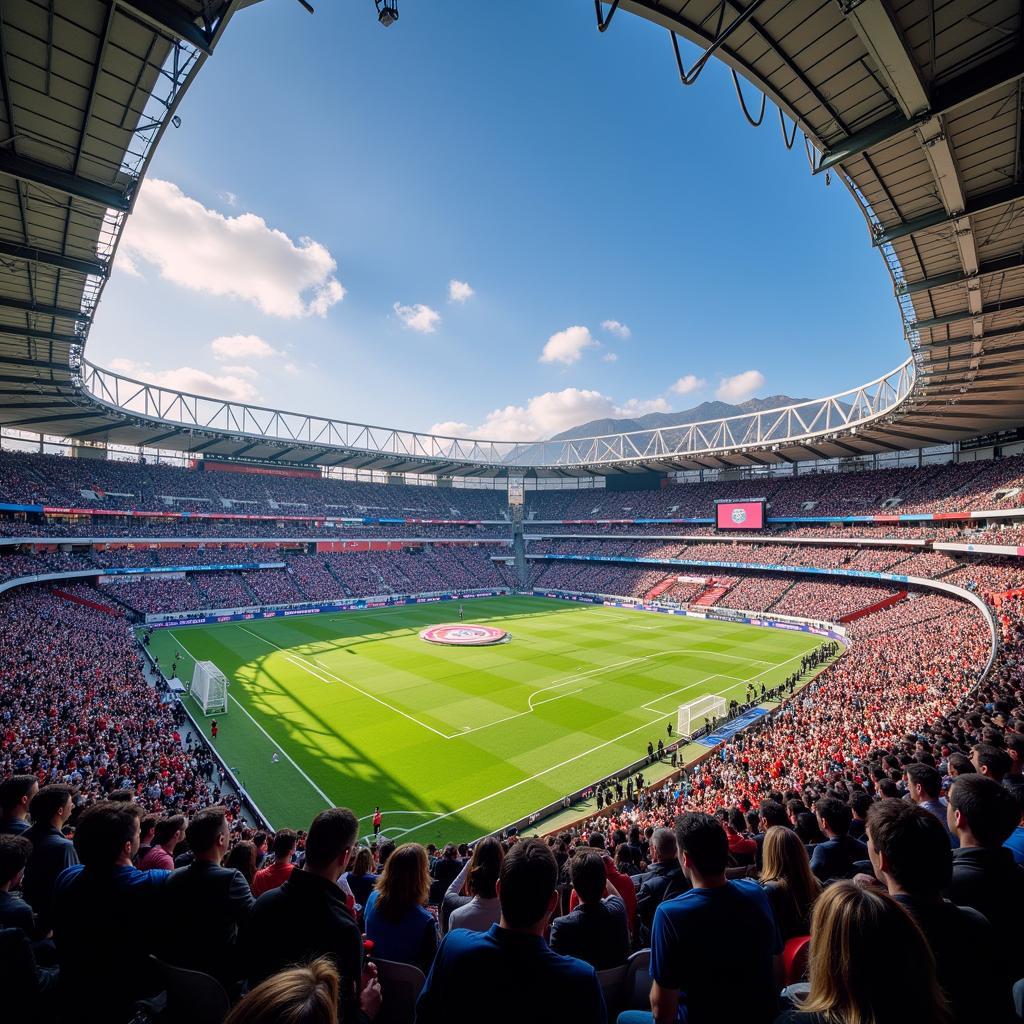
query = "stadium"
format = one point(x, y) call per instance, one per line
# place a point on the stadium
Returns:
point(312, 720)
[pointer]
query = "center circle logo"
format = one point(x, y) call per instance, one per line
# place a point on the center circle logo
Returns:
point(464, 635)
point(739, 515)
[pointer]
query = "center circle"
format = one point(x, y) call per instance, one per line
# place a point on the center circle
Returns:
point(463, 635)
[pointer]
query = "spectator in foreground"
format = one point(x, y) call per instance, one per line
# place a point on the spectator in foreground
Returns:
point(206, 903)
point(16, 794)
point(909, 851)
point(167, 834)
point(789, 882)
point(924, 783)
point(480, 879)
point(692, 978)
point(308, 917)
point(869, 963)
point(664, 880)
point(242, 857)
point(51, 808)
point(277, 873)
point(1015, 844)
point(596, 931)
point(510, 972)
point(360, 876)
point(836, 857)
point(104, 913)
point(14, 911)
point(300, 995)
point(397, 920)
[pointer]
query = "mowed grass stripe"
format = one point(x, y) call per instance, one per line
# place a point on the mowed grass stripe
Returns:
point(361, 753)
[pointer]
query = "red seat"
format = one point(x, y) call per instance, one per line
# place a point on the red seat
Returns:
point(795, 955)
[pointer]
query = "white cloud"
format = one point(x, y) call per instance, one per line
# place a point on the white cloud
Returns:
point(187, 378)
point(609, 357)
point(459, 291)
point(125, 264)
point(620, 330)
point(241, 371)
point(229, 197)
point(291, 368)
point(567, 346)
point(241, 256)
point(548, 414)
point(739, 388)
point(688, 384)
point(242, 346)
point(418, 318)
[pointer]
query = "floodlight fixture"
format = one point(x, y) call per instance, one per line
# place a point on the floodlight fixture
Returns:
point(387, 12)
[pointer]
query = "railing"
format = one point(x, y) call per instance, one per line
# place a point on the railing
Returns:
point(817, 419)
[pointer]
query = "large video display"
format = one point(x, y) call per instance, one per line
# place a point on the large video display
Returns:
point(740, 515)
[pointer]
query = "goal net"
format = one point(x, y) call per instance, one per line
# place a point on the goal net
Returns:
point(209, 688)
point(696, 713)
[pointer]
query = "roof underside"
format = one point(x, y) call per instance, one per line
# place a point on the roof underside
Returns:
point(916, 106)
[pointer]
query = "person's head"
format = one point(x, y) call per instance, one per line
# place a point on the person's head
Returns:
point(785, 860)
point(703, 848)
point(869, 962)
point(1015, 750)
point(404, 883)
point(859, 804)
point(208, 834)
point(242, 857)
point(108, 834)
point(330, 841)
point(991, 761)
point(959, 764)
point(909, 849)
point(923, 782)
point(362, 862)
point(284, 843)
point(586, 871)
point(170, 831)
point(526, 886)
point(147, 828)
point(484, 868)
point(888, 790)
point(663, 846)
point(596, 841)
point(53, 805)
point(16, 794)
point(297, 995)
point(14, 854)
point(833, 816)
point(981, 811)
point(771, 812)
point(385, 848)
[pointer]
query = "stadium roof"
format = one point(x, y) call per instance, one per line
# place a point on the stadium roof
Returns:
point(919, 110)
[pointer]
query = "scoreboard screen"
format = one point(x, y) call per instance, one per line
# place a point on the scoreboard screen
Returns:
point(740, 515)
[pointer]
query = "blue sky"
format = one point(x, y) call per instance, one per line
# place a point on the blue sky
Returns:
point(563, 175)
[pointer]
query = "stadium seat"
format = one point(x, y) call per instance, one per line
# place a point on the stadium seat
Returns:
point(795, 955)
point(613, 985)
point(192, 997)
point(636, 988)
point(400, 986)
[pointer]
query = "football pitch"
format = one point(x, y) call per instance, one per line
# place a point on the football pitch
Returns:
point(455, 742)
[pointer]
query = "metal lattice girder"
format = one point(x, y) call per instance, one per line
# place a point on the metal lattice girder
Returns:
point(30, 254)
point(58, 180)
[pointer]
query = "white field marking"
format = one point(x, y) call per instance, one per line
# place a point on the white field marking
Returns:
point(245, 711)
point(554, 767)
point(557, 696)
point(367, 817)
point(305, 664)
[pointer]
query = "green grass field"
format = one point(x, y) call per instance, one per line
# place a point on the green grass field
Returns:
point(455, 742)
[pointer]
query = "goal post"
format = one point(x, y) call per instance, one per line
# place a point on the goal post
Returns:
point(696, 713)
point(209, 688)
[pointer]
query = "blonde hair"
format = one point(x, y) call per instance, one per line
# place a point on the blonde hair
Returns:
point(869, 963)
point(299, 995)
point(404, 883)
point(785, 862)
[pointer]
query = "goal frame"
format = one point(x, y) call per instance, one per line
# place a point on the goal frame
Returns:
point(696, 713)
point(209, 689)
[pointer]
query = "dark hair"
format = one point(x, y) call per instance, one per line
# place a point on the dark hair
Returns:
point(49, 800)
point(167, 828)
point(14, 854)
point(205, 827)
point(703, 840)
point(926, 777)
point(385, 848)
point(888, 789)
point(773, 813)
point(859, 803)
point(242, 857)
point(988, 808)
point(103, 830)
point(484, 867)
point(997, 761)
point(835, 814)
point(148, 824)
point(528, 876)
point(332, 833)
point(14, 790)
point(596, 840)
point(283, 844)
point(915, 846)
point(586, 871)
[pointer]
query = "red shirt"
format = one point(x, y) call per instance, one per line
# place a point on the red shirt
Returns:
point(271, 877)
